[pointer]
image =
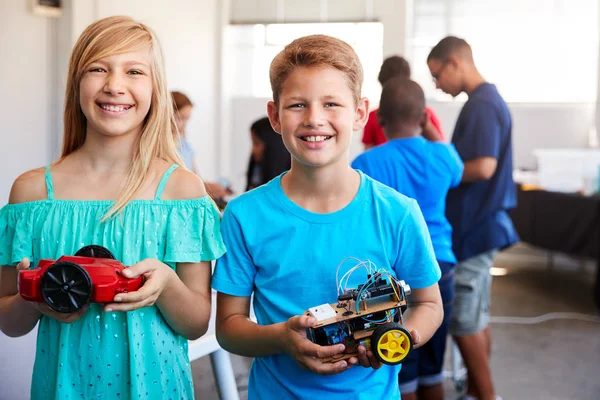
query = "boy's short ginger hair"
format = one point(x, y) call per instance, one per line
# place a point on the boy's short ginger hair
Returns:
point(317, 51)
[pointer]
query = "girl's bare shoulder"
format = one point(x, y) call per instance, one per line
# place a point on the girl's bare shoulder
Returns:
point(29, 186)
point(182, 185)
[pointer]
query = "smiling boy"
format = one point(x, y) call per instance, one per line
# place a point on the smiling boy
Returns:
point(286, 238)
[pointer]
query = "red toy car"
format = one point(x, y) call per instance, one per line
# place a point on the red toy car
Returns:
point(71, 282)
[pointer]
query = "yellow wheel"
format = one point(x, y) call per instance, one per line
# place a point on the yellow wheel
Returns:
point(392, 343)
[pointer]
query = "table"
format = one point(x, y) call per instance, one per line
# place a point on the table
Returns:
point(563, 222)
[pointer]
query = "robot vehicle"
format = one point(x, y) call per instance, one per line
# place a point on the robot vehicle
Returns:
point(71, 282)
point(369, 315)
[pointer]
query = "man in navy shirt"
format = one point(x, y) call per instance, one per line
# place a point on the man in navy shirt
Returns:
point(425, 171)
point(478, 208)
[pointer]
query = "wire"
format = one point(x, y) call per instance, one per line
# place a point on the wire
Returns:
point(358, 297)
point(543, 318)
point(387, 317)
point(348, 274)
point(367, 264)
point(372, 270)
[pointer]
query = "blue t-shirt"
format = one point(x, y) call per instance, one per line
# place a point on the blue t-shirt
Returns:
point(424, 171)
point(478, 211)
point(287, 256)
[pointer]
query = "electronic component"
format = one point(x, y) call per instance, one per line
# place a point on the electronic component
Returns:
point(322, 312)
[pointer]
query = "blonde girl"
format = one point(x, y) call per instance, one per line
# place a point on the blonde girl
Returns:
point(117, 185)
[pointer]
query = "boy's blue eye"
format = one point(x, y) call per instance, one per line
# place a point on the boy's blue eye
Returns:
point(298, 105)
point(331, 105)
point(97, 69)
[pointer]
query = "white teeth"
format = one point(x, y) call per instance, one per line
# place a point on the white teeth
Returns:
point(316, 138)
point(113, 108)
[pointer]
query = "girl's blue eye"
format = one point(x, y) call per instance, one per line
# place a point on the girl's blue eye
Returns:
point(97, 69)
point(135, 72)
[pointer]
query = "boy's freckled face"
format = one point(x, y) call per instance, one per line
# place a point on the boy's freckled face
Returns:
point(317, 115)
point(115, 93)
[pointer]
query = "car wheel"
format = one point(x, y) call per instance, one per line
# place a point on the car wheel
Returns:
point(66, 287)
point(391, 343)
point(95, 251)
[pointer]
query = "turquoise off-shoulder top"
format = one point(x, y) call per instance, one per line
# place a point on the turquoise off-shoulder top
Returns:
point(114, 355)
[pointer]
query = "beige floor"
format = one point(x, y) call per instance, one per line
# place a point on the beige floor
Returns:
point(554, 360)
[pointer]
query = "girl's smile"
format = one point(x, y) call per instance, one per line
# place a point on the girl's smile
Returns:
point(116, 93)
point(111, 109)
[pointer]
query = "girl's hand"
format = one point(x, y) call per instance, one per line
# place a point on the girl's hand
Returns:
point(45, 309)
point(306, 353)
point(158, 276)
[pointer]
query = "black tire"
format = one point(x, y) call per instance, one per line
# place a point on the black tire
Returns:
point(66, 287)
point(93, 250)
point(387, 352)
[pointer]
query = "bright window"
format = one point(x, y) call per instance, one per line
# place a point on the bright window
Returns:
point(534, 50)
point(251, 49)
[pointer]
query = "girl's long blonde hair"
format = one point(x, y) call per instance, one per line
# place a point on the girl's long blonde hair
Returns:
point(104, 38)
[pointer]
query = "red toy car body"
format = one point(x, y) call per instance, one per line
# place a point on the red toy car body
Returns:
point(71, 282)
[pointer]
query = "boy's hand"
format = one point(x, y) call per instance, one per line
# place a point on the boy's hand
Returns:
point(158, 277)
point(416, 338)
point(306, 353)
point(45, 309)
point(365, 358)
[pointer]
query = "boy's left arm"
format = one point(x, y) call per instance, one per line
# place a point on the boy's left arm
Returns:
point(424, 314)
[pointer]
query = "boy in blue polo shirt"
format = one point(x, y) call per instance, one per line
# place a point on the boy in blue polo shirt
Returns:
point(424, 171)
point(478, 208)
point(286, 238)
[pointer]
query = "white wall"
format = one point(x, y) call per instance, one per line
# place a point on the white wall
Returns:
point(26, 141)
point(25, 85)
point(535, 125)
point(392, 13)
